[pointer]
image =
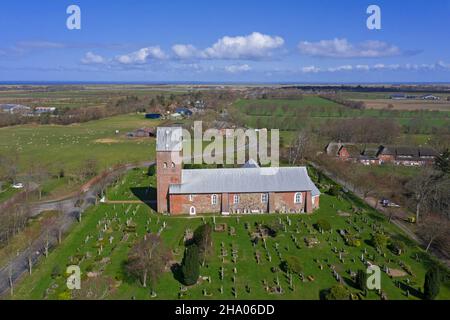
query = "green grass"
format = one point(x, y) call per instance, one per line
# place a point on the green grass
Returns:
point(68, 147)
point(134, 186)
point(75, 249)
point(313, 110)
point(7, 192)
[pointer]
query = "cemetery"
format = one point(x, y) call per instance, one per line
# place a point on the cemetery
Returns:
point(276, 256)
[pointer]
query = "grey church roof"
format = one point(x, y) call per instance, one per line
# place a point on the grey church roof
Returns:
point(245, 180)
point(169, 139)
point(251, 164)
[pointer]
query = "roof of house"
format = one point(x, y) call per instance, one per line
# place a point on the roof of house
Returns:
point(182, 110)
point(245, 180)
point(370, 152)
point(411, 152)
point(353, 150)
point(169, 139)
point(427, 152)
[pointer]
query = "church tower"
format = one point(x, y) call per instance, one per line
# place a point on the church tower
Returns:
point(169, 163)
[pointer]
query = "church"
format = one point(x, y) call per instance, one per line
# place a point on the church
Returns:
point(247, 190)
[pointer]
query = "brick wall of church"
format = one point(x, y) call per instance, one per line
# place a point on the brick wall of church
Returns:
point(181, 204)
point(248, 203)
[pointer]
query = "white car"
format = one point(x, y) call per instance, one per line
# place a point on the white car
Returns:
point(18, 186)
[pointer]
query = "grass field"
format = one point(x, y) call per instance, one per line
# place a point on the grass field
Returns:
point(80, 96)
point(6, 192)
point(88, 245)
point(313, 110)
point(67, 147)
point(442, 105)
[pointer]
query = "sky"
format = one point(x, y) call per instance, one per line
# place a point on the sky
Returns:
point(225, 41)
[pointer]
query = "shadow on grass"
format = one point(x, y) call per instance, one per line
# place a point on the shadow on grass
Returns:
point(176, 271)
point(406, 240)
point(350, 282)
point(146, 194)
point(412, 291)
point(125, 276)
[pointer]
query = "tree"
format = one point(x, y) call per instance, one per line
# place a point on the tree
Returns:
point(361, 280)
point(432, 284)
point(337, 292)
point(148, 260)
point(292, 265)
point(323, 225)
point(300, 147)
point(89, 169)
point(421, 187)
point(190, 267)
point(442, 162)
point(366, 183)
point(203, 240)
point(432, 228)
point(379, 240)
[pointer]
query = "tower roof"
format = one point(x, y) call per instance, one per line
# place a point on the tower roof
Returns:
point(169, 139)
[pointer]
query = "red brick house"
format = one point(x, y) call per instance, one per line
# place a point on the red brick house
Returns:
point(407, 156)
point(246, 190)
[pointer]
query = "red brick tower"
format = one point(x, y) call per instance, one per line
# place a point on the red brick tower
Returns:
point(168, 163)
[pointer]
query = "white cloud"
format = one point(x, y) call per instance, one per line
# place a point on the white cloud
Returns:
point(237, 68)
point(362, 67)
point(186, 51)
point(378, 67)
point(310, 69)
point(253, 46)
point(340, 68)
point(92, 58)
point(342, 48)
point(142, 56)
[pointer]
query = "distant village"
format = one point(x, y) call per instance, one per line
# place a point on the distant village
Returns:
point(19, 109)
point(398, 155)
point(402, 96)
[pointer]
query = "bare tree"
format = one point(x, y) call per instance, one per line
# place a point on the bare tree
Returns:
point(365, 183)
point(421, 188)
point(299, 147)
point(433, 227)
point(148, 259)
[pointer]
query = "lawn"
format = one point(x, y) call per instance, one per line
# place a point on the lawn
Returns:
point(315, 111)
point(7, 191)
point(101, 242)
point(68, 147)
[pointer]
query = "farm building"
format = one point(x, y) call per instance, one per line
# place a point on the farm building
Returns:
point(246, 190)
point(184, 112)
point(142, 133)
point(430, 97)
point(153, 116)
point(176, 116)
point(408, 156)
point(14, 108)
point(399, 155)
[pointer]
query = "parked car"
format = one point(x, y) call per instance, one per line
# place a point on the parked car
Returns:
point(18, 186)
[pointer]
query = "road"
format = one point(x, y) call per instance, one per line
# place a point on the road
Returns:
point(70, 214)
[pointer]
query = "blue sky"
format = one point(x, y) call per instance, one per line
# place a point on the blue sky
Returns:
point(225, 41)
